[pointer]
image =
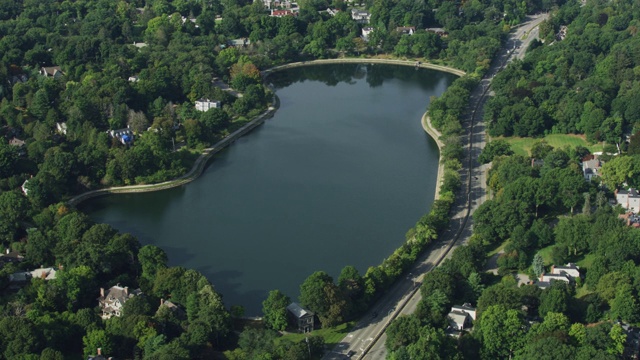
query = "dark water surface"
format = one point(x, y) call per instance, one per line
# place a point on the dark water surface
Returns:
point(335, 178)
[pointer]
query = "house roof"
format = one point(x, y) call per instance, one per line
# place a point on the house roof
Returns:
point(298, 311)
point(543, 284)
point(631, 192)
point(11, 256)
point(569, 266)
point(459, 317)
point(16, 142)
point(44, 273)
point(51, 70)
point(466, 308)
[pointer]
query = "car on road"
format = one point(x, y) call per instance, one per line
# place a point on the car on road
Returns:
point(351, 353)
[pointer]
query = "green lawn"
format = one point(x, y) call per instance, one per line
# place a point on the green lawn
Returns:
point(521, 146)
point(498, 249)
point(332, 336)
point(546, 255)
point(586, 262)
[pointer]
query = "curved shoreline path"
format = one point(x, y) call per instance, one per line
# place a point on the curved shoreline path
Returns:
point(200, 163)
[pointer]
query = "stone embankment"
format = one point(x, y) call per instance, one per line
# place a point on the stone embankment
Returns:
point(366, 61)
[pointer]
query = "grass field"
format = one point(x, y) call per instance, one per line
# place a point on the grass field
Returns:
point(332, 336)
point(521, 146)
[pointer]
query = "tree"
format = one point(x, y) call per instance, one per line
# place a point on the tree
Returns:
point(97, 339)
point(540, 149)
point(556, 298)
point(274, 308)
point(625, 305)
point(151, 259)
point(502, 332)
point(404, 330)
point(538, 264)
point(495, 148)
point(312, 295)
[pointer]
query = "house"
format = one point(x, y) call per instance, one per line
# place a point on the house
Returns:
point(438, 31)
point(175, 309)
point(571, 270)
point(20, 278)
point(124, 135)
point(591, 166)
point(554, 277)
point(361, 17)
point(61, 128)
point(461, 316)
point(206, 104)
point(112, 300)
point(239, 42)
point(44, 273)
point(537, 162)
point(406, 30)
point(365, 32)
point(628, 199)
point(281, 13)
point(9, 256)
point(300, 317)
point(16, 142)
point(24, 188)
point(134, 78)
point(139, 45)
point(562, 33)
point(51, 71)
point(332, 12)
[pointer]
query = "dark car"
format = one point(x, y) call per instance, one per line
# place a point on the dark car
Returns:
point(351, 353)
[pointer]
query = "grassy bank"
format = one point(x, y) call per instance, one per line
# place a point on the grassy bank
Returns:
point(522, 146)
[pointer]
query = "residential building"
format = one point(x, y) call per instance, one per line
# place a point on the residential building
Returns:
point(16, 142)
point(366, 31)
point(332, 12)
point(438, 31)
point(206, 104)
point(112, 300)
point(19, 279)
point(557, 277)
point(139, 45)
point(537, 162)
point(406, 30)
point(629, 199)
point(591, 166)
point(98, 355)
point(51, 71)
point(9, 256)
point(281, 13)
point(570, 270)
point(301, 318)
point(241, 42)
point(175, 309)
point(125, 136)
point(134, 78)
point(361, 17)
point(461, 316)
point(61, 128)
point(24, 187)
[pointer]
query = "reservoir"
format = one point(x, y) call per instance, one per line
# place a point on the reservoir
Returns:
point(335, 178)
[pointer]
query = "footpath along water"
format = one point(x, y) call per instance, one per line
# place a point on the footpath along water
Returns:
point(335, 178)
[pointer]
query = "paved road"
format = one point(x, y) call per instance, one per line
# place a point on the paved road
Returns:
point(366, 340)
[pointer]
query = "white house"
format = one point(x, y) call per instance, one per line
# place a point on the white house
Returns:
point(134, 78)
point(570, 270)
point(365, 32)
point(124, 135)
point(406, 30)
point(559, 277)
point(62, 128)
point(206, 104)
point(628, 199)
point(461, 316)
